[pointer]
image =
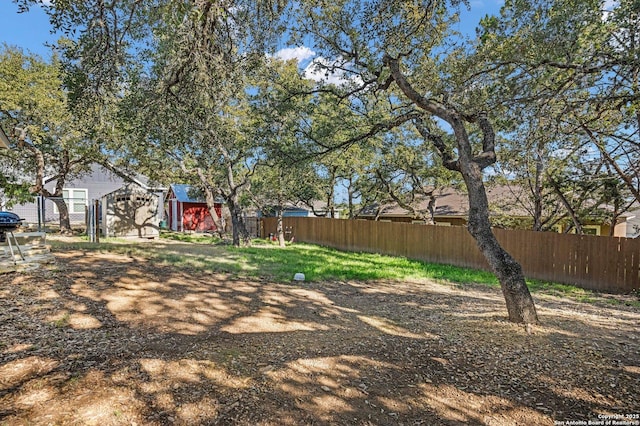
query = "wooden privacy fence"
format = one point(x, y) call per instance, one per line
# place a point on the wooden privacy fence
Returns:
point(607, 264)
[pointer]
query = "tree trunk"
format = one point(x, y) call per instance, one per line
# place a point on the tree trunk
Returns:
point(570, 211)
point(280, 227)
point(65, 223)
point(537, 193)
point(520, 306)
point(211, 205)
point(350, 196)
point(210, 197)
point(239, 232)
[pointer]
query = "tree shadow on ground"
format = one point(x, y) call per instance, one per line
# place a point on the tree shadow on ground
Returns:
point(116, 339)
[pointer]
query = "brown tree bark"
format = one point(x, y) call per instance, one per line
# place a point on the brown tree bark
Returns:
point(520, 305)
point(210, 197)
point(64, 167)
point(63, 211)
point(537, 194)
point(240, 235)
point(280, 227)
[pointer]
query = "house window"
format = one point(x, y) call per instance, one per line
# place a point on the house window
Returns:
point(591, 229)
point(76, 199)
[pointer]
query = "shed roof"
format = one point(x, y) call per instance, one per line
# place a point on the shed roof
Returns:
point(4, 140)
point(130, 188)
point(185, 193)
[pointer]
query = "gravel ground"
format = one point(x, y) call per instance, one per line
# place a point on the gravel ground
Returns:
point(113, 339)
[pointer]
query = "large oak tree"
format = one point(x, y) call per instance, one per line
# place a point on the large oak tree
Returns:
point(405, 47)
point(46, 142)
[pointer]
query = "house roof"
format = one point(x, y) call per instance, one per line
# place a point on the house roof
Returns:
point(318, 205)
point(507, 200)
point(4, 140)
point(452, 202)
point(134, 177)
point(185, 193)
point(109, 168)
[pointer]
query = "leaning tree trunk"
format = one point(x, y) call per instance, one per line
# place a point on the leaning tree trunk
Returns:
point(211, 205)
point(537, 193)
point(63, 209)
point(520, 306)
point(210, 198)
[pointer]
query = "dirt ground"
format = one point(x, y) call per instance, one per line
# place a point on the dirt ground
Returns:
point(107, 339)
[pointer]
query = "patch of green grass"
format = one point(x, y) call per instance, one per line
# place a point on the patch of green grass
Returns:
point(265, 259)
point(616, 302)
point(322, 263)
point(63, 321)
point(191, 238)
point(634, 303)
point(563, 290)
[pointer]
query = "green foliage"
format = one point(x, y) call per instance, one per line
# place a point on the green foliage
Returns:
point(279, 106)
point(564, 73)
point(13, 192)
point(34, 110)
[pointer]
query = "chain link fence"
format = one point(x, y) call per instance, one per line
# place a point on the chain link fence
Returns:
point(43, 213)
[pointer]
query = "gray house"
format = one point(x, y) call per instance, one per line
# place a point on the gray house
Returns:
point(78, 193)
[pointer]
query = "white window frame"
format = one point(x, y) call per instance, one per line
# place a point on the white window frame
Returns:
point(73, 202)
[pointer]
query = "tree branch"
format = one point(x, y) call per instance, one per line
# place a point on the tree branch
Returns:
point(445, 152)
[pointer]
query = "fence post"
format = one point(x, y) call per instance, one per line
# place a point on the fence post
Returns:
point(96, 217)
point(40, 207)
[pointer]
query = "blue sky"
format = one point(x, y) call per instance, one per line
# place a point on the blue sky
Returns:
point(32, 30)
point(27, 30)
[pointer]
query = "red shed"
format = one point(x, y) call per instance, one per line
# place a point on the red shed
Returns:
point(188, 210)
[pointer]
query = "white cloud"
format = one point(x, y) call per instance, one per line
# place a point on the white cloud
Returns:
point(300, 53)
point(318, 68)
point(45, 2)
point(608, 7)
point(322, 70)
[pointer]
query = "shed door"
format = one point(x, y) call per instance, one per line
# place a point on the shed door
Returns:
point(146, 215)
